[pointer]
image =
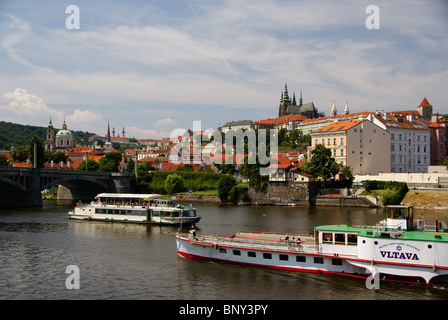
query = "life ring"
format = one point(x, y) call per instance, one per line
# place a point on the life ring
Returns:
point(132, 204)
point(77, 204)
point(118, 204)
point(104, 204)
point(147, 205)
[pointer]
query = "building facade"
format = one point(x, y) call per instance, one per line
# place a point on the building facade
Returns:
point(359, 144)
point(410, 141)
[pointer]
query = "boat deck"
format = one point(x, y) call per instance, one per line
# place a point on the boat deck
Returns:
point(261, 241)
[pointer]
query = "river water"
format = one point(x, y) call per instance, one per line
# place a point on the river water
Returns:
point(125, 261)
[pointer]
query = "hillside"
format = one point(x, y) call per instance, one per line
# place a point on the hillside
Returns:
point(13, 134)
point(422, 199)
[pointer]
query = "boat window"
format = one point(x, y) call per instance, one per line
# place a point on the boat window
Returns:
point(155, 213)
point(267, 255)
point(352, 239)
point(251, 254)
point(167, 214)
point(175, 214)
point(236, 252)
point(222, 250)
point(327, 237)
point(336, 262)
point(300, 258)
point(339, 238)
point(318, 260)
point(188, 213)
point(283, 257)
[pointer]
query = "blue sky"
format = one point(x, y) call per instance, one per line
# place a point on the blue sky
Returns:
point(154, 66)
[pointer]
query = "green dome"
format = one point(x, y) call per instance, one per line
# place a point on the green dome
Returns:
point(64, 133)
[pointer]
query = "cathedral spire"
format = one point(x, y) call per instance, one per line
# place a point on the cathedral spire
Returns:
point(285, 93)
point(333, 111)
point(300, 99)
point(108, 132)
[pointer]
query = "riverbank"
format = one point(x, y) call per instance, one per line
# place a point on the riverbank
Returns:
point(427, 199)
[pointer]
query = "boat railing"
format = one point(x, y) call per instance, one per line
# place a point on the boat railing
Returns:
point(262, 244)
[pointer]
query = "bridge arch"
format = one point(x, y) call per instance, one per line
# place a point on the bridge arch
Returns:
point(8, 183)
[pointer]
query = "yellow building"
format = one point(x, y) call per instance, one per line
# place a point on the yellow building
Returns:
point(359, 144)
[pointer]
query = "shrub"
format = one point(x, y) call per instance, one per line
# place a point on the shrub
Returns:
point(174, 183)
point(225, 185)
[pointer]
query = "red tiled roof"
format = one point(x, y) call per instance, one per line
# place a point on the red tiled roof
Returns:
point(339, 126)
point(425, 103)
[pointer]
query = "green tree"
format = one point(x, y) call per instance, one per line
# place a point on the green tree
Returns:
point(110, 162)
point(225, 185)
point(322, 164)
point(347, 176)
point(91, 165)
point(40, 152)
point(19, 154)
point(174, 183)
point(3, 160)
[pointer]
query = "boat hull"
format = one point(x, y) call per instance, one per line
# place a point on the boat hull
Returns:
point(291, 259)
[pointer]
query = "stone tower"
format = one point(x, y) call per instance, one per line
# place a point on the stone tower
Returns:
point(50, 141)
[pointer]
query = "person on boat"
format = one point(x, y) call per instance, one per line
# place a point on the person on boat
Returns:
point(192, 231)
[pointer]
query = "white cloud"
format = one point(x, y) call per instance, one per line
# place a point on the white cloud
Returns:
point(140, 133)
point(83, 116)
point(23, 104)
point(166, 123)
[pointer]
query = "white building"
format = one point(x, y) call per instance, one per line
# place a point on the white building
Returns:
point(359, 144)
point(410, 141)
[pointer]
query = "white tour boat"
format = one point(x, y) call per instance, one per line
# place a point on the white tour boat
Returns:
point(134, 208)
point(398, 248)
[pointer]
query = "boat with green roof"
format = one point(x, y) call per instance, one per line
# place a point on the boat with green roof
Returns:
point(399, 248)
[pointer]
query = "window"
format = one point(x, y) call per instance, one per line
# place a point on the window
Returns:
point(267, 255)
point(222, 250)
point(334, 140)
point(318, 260)
point(352, 239)
point(328, 141)
point(327, 237)
point(339, 238)
point(300, 258)
point(336, 262)
point(251, 254)
point(342, 140)
point(283, 257)
point(342, 152)
point(236, 252)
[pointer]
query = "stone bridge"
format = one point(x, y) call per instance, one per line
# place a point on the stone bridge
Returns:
point(21, 187)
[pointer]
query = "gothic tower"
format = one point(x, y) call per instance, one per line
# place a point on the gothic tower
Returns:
point(285, 101)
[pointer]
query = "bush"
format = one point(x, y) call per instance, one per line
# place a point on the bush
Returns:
point(393, 193)
point(225, 185)
point(174, 183)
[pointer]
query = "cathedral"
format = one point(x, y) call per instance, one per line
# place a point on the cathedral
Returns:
point(59, 142)
point(288, 106)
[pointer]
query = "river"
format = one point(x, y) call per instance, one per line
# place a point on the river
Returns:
point(125, 261)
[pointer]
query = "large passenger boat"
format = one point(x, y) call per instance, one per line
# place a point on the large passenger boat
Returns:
point(398, 248)
point(135, 208)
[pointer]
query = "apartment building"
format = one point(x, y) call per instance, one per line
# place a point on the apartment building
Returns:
point(410, 141)
point(359, 144)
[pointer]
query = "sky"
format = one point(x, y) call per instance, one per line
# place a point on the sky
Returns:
point(151, 67)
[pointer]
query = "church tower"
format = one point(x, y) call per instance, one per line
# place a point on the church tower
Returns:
point(285, 101)
point(346, 110)
point(50, 141)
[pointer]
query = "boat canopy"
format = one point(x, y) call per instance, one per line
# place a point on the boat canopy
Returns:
point(141, 196)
